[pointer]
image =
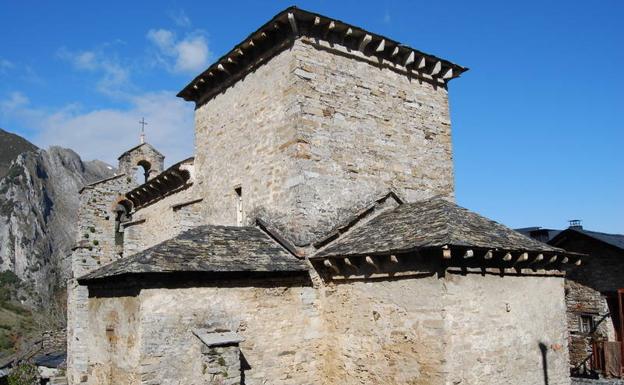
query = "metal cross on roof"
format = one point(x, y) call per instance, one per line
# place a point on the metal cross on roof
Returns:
point(143, 123)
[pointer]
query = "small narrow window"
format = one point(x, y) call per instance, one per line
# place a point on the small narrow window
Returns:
point(239, 205)
point(586, 323)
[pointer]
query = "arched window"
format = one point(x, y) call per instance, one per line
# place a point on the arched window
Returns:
point(122, 209)
point(142, 171)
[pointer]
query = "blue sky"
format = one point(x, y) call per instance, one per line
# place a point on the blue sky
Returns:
point(538, 121)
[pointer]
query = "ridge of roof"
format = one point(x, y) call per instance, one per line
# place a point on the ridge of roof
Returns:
point(294, 22)
point(140, 145)
point(92, 184)
point(615, 240)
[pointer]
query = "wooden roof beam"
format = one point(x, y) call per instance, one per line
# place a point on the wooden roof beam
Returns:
point(293, 23)
point(328, 264)
point(410, 59)
point(436, 68)
point(422, 62)
point(369, 260)
point(365, 41)
point(381, 46)
point(539, 258)
point(330, 27)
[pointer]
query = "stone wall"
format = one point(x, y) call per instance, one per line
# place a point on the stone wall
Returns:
point(496, 326)
point(114, 341)
point(95, 247)
point(280, 323)
point(143, 157)
point(471, 329)
point(585, 301)
point(455, 330)
point(162, 220)
point(589, 289)
point(316, 135)
point(241, 137)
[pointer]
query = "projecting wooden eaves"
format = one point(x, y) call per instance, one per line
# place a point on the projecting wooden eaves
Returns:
point(438, 233)
point(293, 23)
point(168, 182)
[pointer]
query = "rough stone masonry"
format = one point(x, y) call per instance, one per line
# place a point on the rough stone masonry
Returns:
point(313, 238)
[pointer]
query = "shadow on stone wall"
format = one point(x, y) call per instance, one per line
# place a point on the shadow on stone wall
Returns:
point(544, 350)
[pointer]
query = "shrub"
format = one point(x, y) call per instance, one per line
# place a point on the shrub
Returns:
point(24, 374)
point(96, 242)
point(8, 277)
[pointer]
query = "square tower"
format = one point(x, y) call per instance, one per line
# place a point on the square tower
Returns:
point(310, 119)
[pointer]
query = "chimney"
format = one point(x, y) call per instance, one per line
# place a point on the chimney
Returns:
point(575, 224)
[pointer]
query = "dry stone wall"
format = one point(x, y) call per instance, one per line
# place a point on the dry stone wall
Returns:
point(316, 134)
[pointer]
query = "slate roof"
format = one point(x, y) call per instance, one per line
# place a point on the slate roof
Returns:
point(430, 223)
point(279, 30)
point(140, 145)
point(616, 240)
point(210, 249)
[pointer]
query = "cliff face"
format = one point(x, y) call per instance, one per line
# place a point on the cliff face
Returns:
point(11, 146)
point(38, 209)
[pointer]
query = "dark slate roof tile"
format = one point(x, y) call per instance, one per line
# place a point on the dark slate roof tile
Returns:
point(616, 240)
point(430, 223)
point(207, 249)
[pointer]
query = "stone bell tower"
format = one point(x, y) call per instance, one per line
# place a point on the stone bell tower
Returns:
point(142, 157)
point(310, 117)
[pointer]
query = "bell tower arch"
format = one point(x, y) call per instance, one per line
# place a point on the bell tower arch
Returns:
point(142, 162)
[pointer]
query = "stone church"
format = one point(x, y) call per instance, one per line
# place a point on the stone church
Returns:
point(313, 238)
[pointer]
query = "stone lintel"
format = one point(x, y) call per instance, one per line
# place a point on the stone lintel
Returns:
point(213, 339)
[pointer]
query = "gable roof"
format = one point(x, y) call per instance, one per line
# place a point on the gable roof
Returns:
point(430, 223)
point(615, 240)
point(206, 249)
point(139, 146)
point(293, 22)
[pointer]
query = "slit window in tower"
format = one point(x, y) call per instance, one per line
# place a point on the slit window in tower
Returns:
point(239, 205)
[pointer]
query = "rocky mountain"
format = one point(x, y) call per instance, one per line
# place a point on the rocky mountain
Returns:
point(38, 208)
point(11, 146)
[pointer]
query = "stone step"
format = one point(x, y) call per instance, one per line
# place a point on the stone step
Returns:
point(60, 380)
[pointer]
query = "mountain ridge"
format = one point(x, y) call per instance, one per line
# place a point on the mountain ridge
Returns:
point(39, 201)
point(12, 145)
